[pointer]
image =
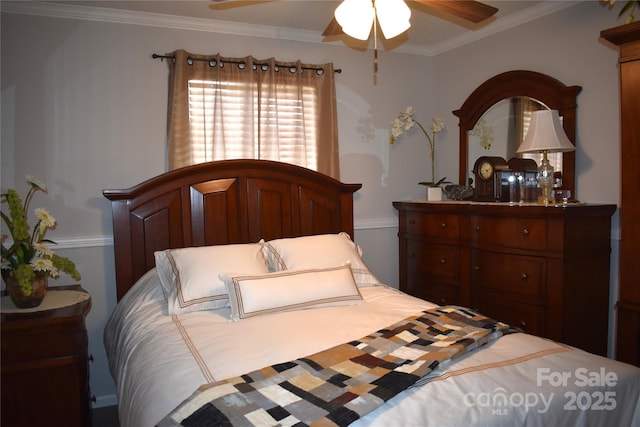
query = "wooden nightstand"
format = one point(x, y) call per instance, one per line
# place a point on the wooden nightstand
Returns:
point(45, 372)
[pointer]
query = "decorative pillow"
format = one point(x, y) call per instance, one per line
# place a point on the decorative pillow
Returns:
point(189, 276)
point(255, 295)
point(319, 251)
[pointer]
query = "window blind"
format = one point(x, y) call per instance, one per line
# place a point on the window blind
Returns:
point(230, 120)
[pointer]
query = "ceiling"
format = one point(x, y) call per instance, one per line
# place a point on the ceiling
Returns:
point(431, 31)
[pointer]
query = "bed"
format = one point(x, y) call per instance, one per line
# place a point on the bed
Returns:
point(244, 300)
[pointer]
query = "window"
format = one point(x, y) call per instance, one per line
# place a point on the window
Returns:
point(247, 136)
point(229, 108)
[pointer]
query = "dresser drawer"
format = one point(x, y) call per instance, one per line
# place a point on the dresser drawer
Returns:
point(528, 317)
point(437, 293)
point(514, 274)
point(29, 344)
point(432, 260)
point(439, 226)
point(517, 233)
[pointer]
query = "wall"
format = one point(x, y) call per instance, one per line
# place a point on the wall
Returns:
point(84, 107)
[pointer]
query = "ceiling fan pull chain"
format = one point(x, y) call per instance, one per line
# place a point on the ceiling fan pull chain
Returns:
point(375, 43)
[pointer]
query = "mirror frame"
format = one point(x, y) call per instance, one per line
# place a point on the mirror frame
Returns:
point(553, 93)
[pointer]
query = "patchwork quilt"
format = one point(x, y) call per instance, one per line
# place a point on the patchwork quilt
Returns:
point(339, 385)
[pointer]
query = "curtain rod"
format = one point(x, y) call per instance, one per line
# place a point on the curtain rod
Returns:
point(162, 57)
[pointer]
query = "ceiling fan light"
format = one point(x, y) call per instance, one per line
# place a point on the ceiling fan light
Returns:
point(355, 17)
point(393, 16)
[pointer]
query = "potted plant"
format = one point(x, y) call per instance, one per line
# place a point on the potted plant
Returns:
point(629, 6)
point(403, 123)
point(27, 260)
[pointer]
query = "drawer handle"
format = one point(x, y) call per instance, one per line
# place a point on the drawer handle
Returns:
point(524, 276)
point(477, 268)
point(525, 232)
point(523, 324)
point(478, 228)
point(443, 225)
point(443, 261)
point(443, 301)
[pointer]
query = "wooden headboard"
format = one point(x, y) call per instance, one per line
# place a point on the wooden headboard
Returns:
point(222, 202)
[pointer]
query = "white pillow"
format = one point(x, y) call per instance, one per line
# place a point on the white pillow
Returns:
point(319, 251)
point(189, 276)
point(255, 295)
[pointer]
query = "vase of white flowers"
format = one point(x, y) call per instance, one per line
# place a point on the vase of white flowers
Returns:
point(27, 261)
point(23, 299)
point(404, 123)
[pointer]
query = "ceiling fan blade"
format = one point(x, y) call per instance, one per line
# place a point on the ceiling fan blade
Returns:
point(470, 10)
point(230, 4)
point(333, 29)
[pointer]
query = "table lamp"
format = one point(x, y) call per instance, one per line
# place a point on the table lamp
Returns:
point(545, 135)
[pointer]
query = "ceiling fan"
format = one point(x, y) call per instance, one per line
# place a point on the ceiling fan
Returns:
point(393, 15)
point(355, 17)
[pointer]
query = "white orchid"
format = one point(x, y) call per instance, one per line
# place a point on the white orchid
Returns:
point(485, 132)
point(404, 122)
point(437, 125)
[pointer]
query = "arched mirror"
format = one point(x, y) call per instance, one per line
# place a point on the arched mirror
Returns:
point(494, 119)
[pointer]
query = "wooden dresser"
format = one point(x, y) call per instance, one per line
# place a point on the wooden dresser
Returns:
point(543, 269)
point(627, 37)
point(45, 372)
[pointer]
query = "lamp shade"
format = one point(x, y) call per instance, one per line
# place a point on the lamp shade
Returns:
point(545, 133)
point(355, 17)
point(393, 16)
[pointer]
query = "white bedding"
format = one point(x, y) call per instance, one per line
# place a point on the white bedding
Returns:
point(158, 360)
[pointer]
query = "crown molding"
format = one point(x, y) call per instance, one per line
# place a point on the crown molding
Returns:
point(502, 24)
point(119, 16)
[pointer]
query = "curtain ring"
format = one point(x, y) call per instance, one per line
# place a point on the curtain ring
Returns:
point(212, 63)
point(242, 65)
point(265, 67)
point(190, 60)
